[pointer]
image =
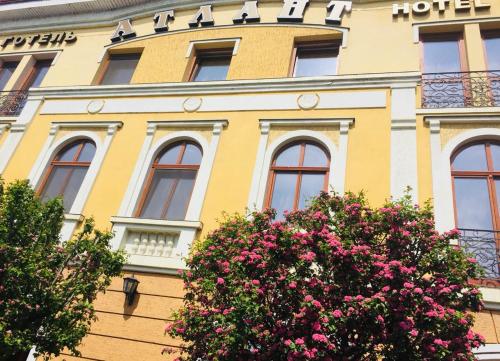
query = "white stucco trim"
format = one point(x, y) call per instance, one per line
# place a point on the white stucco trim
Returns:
point(490, 352)
point(265, 154)
point(441, 168)
point(187, 229)
point(4, 127)
point(17, 131)
point(193, 44)
point(404, 141)
point(219, 103)
point(53, 146)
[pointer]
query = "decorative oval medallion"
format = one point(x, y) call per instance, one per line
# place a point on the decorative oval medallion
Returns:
point(192, 104)
point(308, 101)
point(95, 106)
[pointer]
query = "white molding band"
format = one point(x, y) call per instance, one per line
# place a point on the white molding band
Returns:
point(142, 168)
point(266, 152)
point(331, 82)
point(194, 44)
point(404, 141)
point(268, 102)
point(489, 352)
point(440, 158)
point(17, 130)
point(52, 146)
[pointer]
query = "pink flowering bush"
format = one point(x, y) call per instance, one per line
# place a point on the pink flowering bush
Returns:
point(336, 281)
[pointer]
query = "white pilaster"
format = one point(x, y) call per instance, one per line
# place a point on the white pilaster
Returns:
point(403, 141)
point(259, 164)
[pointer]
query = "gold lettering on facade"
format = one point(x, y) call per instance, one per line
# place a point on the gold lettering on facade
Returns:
point(40, 39)
point(337, 9)
point(293, 10)
point(421, 7)
point(441, 5)
point(161, 20)
point(478, 4)
point(462, 5)
point(123, 31)
point(203, 16)
point(401, 9)
point(249, 13)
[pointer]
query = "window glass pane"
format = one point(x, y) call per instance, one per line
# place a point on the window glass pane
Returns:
point(64, 181)
point(160, 188)
point(492, 45)
point(315, 62)
point(283, 193)
point(473, 203)
point(54, 185)
point(441, 56)
point(471, 158)
point(41, 68)
point(171, 155)
point(311, 186)
point(212, 68)
point(495, 156)
point(192, 154)
point(314, 156)
point(87, 153)
point(69, 152)
point(6, 72)
point(120, 69)
point(77, 174)
point(290, 157)
point(179, 203)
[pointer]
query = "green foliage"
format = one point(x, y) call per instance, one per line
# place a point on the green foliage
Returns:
point(47, 286)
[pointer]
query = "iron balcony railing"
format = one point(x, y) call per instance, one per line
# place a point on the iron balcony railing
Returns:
point(461, 90)
point(12, 102)
point(483, 246)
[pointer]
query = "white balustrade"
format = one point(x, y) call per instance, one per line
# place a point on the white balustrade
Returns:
point(151, 244)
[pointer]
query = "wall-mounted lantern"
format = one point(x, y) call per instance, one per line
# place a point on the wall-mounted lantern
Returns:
point(130, 288)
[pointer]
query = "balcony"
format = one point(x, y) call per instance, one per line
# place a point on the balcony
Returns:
point(483, 245)
point(461, 90)
point(12, 103)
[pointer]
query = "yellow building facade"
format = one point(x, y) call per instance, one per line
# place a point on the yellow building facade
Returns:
point(155, 117)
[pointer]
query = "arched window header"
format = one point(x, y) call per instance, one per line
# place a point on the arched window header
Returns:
point(299, 171)
point(67, 171)
point(168, 188)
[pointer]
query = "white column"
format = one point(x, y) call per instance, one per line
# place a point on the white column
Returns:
point(404, 141)
point(17, 131)
point(203, 177)
point(338, 180)
point(259, 164)
point(42, 160)
point(127, 206)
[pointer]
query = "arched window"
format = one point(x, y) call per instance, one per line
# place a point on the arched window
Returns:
point(298, 172)
point(170, 182)
point(476, 184)
point(67, 172)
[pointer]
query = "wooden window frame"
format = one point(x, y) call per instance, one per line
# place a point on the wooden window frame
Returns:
point(488, 34)
point(32, 73)
point(201, 54)
point(312, 45)
point(300, 170)
point(176, 166)
point(2, 68)
point(73, 163)
point(490, 175)
point(101, 73)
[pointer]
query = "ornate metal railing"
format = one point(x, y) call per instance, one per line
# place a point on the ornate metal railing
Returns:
point(483, 245)
point(461, 90)
point(12, 103)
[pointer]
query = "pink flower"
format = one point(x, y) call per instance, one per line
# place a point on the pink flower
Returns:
point(299, 341)
point(256, 282)
point(418, 290)
point(414, 333)
point(316, 304)
point(219, 330)
point(292, 285)
point(288, 343)
point(408, 285)
point(220, 281)
point(319, 338)
point(337, 314)
point(308, 298)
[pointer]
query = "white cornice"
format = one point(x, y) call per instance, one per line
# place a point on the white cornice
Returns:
point(362, 81)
